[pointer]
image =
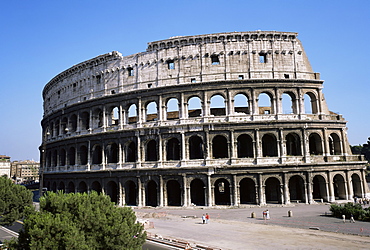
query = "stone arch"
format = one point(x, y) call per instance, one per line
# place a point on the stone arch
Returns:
point(172, 109)
point(315, 144)
point(151, 111)
point(112, 191)
point(55, 158)
point(356, 185)
point(334, 144)
point(54, 187)
point(56, 128)
point(64, 125)
point(296, 189)
point(217, 105)
point(220, 147)
point(173, 149)
point(247, 190)
point(289, 103)
point(195, 147)
point(85, 120)
point(97, 157)
point(272, 190)
point(95, 186)
point(83, 155)
point(73, 123)
point(293, 144)
point(245, 146)
point(130, 193)
point(62, 157)
point(131, 152)
point(339, 187)
point(70, 187)
point(194, 107)
point(173, 193)
point(82, 187)
point(269, 145)
point(197, 192)
point(132, 114)
point(241, 104)
point(112, 153)
point(113, 116)
point(97, 118)
point(265, 105)
point(222, 192)
point(71, 156)
point(311, 103)
point(151, 151)
point(319, 190)
point(151, 194)
point(61, 186)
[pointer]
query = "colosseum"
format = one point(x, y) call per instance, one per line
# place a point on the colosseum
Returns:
point(226, 119)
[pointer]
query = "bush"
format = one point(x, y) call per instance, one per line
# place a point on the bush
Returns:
point(349, 208)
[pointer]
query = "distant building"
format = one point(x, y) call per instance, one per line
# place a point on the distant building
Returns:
point(4, 165)
point(25, 171)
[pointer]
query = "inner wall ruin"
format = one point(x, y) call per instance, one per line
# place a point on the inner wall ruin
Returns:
point(220, 119)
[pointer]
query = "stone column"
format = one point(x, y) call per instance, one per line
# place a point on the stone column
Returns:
point(286, 189)
point(161, 113)
point(138, 162)
point(183, 147)
point(88, 156)
point(326, 143)
point(104, 119)
point(161, 191)
point(343, 142)
point(90, 121)
point(120, 193)
point(255, 109)
point(185, 193)
point(230, 104)
point(331, 195)
point(139, 114)
point(209, 190)
point(233, 153)
point(261, 190)
point(139, 192)
point(104, 160)
point(309, 188)
point(120, 155)
point(182, 107)
point(122, 117)
point(349, 186)
point(235, 189)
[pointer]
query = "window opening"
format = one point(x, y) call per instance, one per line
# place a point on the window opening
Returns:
point(193, 80)
point(241, 77)
point(171, 64)
point(286, 76)
point(98, 79)
point(263, 57)
point(215, 60)
point(130, 71)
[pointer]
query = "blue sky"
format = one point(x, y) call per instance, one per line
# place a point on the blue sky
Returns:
point(40, 39)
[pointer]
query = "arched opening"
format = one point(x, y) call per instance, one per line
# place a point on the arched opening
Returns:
point(339, 187)
point(83, 155)
point(265, 106)
point(151, 112)
point(151, 194)
point(247, 189)
point(56, 128)
point(131, 154)
point(85, 121)
point(71, 156)
point(310, 103)
point(217, 105)
point(82, 187)
point(62, 157)
point(241, 104)
point(151, 151)
point(114, 116)
point(272, 190)
point(269, 146)
point(112, 191)
point(289, 105)
point(173, 193)
point(112, 153)
point(334, 144)
point(54, 187)
point(64, 125)
point(296, 189)
point(132, 114)
point(315, 144)
point(97, 155)
point(197, 192)
point(130, 193)
point(95, 186)
point(356, 186)
point(245, 146)
point(73, 123)
point(61, 186)
point(195, 147)
point(55, 158)
point(293, 144)
point(173, 149)
point(319, 188)
point(172, 109)
point(194, 107)
point(70, 187)
point(98, 118)
point(219, 147)
point(222, 192)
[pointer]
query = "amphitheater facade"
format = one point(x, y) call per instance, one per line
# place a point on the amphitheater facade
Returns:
point(220, 119)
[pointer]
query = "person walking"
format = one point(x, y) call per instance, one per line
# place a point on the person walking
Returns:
point(344, 218)
point(352, 219)
point(204, 219)
point(207, 218)
point(267, 214)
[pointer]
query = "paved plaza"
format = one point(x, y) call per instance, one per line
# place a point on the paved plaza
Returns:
point(308, 227)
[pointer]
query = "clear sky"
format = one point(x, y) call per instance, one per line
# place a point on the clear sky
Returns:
point(40, 39)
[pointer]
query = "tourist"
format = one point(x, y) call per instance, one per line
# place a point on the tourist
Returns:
point(352, 219)
point(264, 215)
point(207, 218)
point(267, 214)
point(344, 218)
point(204, 219)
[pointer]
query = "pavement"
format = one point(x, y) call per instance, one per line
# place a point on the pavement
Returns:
point(307, 227)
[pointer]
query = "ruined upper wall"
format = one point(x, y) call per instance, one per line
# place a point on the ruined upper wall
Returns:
point(182, 60)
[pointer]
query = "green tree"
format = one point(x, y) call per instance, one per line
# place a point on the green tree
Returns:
point(14, 199)
point(80, 221)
